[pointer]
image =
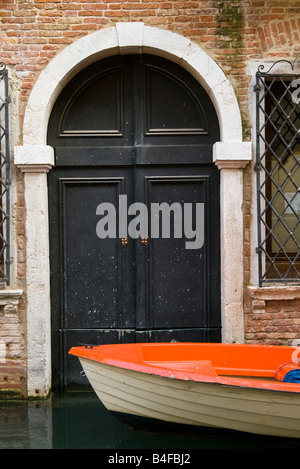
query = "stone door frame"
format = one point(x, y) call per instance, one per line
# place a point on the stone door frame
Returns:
point(35, 158)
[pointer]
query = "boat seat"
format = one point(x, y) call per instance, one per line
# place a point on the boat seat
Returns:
point(201, 367)
point(206, 368)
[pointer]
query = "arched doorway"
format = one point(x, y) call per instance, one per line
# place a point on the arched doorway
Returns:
point(131, 133)
point(35, 158)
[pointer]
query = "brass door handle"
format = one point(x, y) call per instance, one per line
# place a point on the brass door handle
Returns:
point(124, 241)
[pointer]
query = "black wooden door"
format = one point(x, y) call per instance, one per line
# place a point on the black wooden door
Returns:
point(133, 138)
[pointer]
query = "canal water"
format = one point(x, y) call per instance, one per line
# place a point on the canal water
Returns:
point(80, 421)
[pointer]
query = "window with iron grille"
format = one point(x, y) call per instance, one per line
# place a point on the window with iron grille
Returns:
point(278, 174)
point(4, 178)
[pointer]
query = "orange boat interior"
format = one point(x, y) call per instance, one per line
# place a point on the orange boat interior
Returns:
point(211, 360)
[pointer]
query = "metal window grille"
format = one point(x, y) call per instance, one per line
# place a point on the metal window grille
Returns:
point(278, 173)
point(4, 177)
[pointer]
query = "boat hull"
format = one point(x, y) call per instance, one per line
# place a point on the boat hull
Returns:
point(194, 403)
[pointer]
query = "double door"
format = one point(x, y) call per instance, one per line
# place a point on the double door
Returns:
point(134, 210)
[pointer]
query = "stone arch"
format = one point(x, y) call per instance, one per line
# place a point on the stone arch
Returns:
point(126, 38)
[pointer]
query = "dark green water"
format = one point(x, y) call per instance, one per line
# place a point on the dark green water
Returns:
point(79, 421)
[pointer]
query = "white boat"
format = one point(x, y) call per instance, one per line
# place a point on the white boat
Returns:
point(228, 386)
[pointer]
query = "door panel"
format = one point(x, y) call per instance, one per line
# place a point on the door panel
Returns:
point(92, 279)
point(93, 265)
point(173, 291)
point(92, 121)
point(175, 121)
point(102, 96)
point(166, 93)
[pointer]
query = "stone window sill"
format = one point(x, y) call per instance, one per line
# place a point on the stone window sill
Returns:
point(275, 293)
point(9, 296)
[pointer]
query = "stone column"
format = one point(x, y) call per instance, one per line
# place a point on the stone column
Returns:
point(35, 162)
point(231, 159)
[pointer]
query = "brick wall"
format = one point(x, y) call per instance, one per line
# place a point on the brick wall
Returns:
point(233, 32)
point(274, 316)
point(12, 351)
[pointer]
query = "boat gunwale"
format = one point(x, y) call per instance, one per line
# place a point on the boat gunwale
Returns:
point(221, 379)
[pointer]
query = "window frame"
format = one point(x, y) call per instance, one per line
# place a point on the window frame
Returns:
point(283, 262)
point(4, 178)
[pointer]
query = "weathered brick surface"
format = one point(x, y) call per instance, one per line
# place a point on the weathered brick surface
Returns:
point(233, 32)
point(276, 323)
point(273, 316)
point(12, 357)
